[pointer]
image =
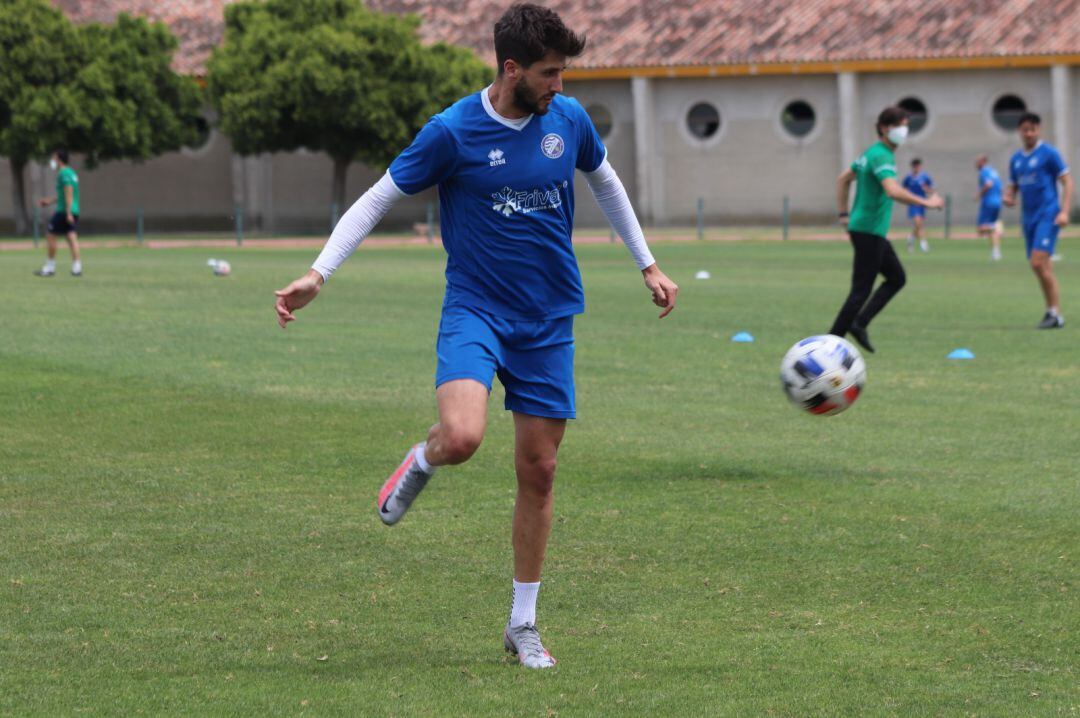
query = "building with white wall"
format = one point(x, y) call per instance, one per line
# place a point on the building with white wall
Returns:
point(739, 104)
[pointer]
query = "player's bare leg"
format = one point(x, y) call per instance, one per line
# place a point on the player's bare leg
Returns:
point(1044, 271)
point(49, 269)
point(457, 436)
point(76, 259)
point(536, 447)
point(462, 420)
point(920, 233)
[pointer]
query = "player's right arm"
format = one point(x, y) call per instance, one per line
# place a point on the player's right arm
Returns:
point(895, 191)
point(1009, 197)
point(46, 201)
point(426, 162)
point(843, 193)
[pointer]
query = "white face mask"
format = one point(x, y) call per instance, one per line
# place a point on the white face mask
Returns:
point(52, 164)
point(897, 135)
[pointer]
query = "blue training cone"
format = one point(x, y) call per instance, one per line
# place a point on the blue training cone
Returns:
point(743, 337)
point(960, 354)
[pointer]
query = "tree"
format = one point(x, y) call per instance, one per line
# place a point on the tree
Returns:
point(331, 76)
point(105, 91)
point(125, 102)
point(39, 50)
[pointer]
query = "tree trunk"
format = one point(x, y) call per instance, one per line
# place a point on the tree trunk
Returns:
point(337, 193)
point(18, 196)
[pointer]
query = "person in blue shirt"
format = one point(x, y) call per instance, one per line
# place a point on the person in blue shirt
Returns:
point(919, 184)
point(989, 198)
point(1034, 174)
point(503, 160)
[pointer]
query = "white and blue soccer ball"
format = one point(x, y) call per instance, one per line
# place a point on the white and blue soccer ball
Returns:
point(823, 375)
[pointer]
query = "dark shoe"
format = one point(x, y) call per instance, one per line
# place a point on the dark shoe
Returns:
point(1052, 321)
point(861, 338)
point(44, 273)
point(76, 274)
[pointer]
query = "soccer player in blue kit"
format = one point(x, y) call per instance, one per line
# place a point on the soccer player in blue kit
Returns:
point(989, 197)
point(1035, 171)
point(504, 161)
point(919, 184)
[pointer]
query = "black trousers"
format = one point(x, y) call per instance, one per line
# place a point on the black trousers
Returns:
point(873, 255)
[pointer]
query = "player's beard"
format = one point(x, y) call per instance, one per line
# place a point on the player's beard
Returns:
point(527, 100)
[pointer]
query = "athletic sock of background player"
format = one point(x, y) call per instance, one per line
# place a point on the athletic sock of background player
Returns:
point(76, 266)
point(50, 265)
point(523, 605)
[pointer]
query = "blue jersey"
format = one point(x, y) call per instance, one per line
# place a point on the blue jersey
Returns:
point(916, 183)
point(1036, 173)
point(992, 197)
point(506, 194)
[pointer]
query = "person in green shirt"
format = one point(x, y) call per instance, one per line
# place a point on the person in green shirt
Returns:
point(874, 174)
point(65, 220)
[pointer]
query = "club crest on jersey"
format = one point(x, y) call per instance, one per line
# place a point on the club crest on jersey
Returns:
point(552, 146)
point(496, 158)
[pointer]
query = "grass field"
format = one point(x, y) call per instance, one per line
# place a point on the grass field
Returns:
point(187, 497)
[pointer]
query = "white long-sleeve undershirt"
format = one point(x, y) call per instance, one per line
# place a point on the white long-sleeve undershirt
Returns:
point(374, 204)
point(615, 204)
point(357, 224)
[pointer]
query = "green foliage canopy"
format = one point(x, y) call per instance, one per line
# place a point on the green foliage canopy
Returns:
point(107, 92)
point(332, 76)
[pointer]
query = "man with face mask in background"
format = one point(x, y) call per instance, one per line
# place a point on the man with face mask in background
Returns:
point(504, 161)
point(65, 220)
point(868, 224)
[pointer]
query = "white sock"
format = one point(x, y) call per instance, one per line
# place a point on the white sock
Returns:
point(523, 609)
point(50, 265)
point(76, 266)
point(421, 460)
point(1054, 311)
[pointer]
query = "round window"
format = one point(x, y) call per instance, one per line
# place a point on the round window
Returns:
point(917, 114)
point(703, 120)
point(798, 118)
point(1007, 111)
point(601, 119)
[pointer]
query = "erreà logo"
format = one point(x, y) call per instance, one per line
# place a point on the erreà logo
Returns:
point(496, 158)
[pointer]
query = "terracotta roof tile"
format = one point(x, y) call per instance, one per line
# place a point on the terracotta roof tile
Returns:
point(630, 33)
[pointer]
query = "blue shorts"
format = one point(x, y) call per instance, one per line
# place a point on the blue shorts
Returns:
point(915, 210)
point(533, 360)
point(1040, 233)
point(988, 215)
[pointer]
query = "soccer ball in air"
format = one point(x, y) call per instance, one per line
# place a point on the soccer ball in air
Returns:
point(823, 375)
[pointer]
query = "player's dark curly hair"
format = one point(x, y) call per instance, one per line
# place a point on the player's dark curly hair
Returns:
point(526, 32)
point(890, 117)
point(62, 154)
point(1029, 117)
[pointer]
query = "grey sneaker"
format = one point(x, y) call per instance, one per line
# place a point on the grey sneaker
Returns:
point(401, 489)
point(1051, 321)
point(43, 272)
point(524, 642)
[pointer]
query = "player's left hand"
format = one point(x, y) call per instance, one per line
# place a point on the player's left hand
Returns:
point(1062, 219)
point(664, 291)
